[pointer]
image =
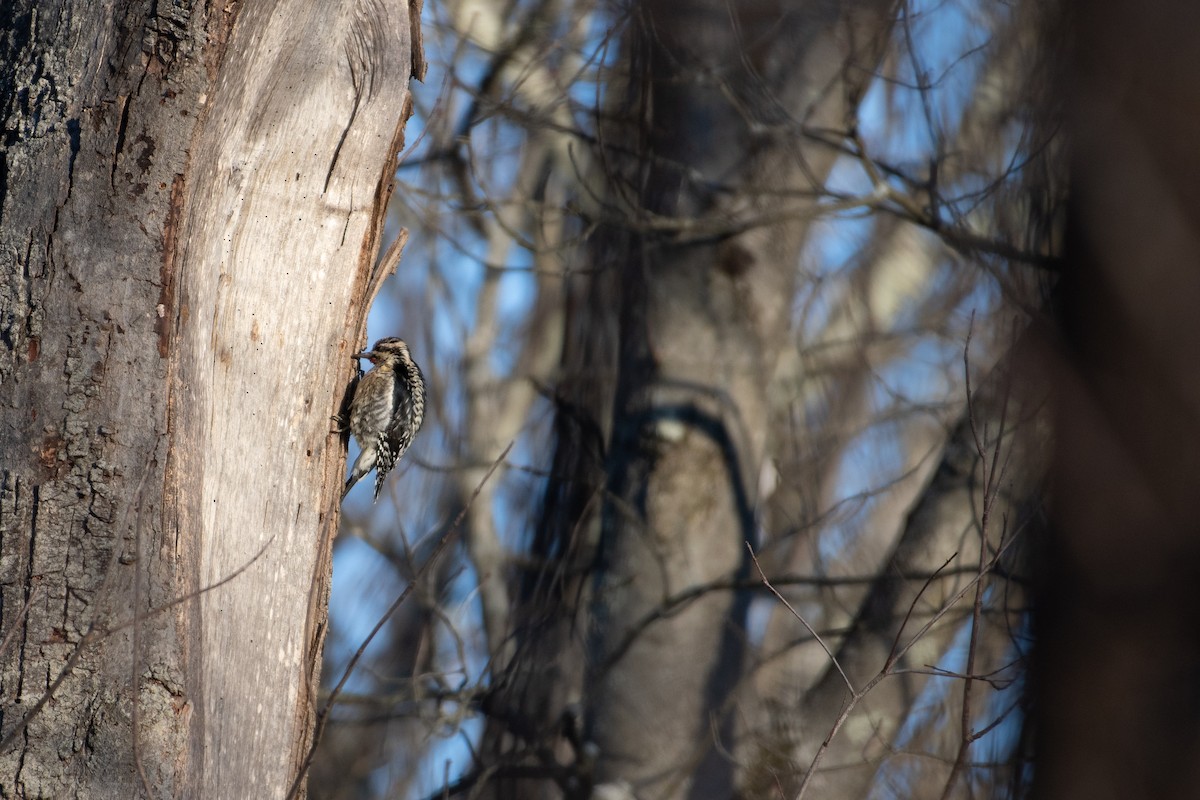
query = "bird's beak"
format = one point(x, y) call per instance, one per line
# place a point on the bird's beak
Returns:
point(365, 354)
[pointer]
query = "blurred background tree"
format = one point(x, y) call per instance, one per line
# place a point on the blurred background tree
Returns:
point(749, 289)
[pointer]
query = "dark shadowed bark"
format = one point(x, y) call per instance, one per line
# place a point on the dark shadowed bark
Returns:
point(1118, 651)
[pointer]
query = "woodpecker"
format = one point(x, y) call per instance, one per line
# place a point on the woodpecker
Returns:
point(387, 410)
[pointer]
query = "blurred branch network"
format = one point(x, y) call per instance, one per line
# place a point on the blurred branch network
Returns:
point(765, 233)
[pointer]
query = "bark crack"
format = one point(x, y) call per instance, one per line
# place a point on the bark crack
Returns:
point(33, 537)
point(120, 145)
point(356, 81)
point(73, 143)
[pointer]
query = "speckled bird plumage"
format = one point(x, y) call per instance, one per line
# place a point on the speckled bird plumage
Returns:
point(387, 410)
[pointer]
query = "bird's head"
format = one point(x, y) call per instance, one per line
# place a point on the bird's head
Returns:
point(390, 350)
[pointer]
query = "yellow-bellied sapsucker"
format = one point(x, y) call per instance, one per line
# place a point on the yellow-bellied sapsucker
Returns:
point(387, 410)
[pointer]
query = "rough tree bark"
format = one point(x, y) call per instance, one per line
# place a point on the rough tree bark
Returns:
point(191, 201)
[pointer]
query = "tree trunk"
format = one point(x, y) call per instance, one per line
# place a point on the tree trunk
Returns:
point(707, 255)
point(190, 208)
point(1118, 611)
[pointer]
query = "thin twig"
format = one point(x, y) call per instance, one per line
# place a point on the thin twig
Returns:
point(895, 653)
point(993, 476)
point(803, 621)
